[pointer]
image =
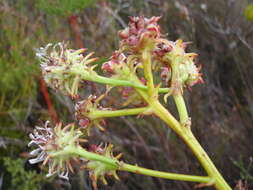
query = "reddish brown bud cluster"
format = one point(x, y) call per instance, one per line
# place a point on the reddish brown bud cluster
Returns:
point(139, 28)
point(83, 113)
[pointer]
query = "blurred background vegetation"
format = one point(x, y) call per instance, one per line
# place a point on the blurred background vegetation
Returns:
point(221, 32)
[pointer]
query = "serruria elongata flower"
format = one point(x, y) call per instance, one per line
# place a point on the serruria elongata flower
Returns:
point(49, 141)
point(179, 67)
point(59, 66)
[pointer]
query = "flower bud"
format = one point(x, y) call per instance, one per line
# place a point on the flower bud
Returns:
point(165, 74)
point(140, 32)
point(61, 67)
point(83, 113)
point(120, 66)
point(116, 63)
point(98, 170)
point(161, 49)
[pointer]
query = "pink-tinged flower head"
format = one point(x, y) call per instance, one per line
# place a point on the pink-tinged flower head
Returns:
point(139, 31)
point(165, 74)
point(169, 53)
point(49, 142)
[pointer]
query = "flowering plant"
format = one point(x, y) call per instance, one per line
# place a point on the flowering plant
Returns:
point(143, 51)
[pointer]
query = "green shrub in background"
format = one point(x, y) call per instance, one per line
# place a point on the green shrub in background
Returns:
point(17, 70)
point(19, 178)
point(63, 7)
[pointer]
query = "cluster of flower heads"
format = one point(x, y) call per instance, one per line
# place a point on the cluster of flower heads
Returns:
point(144, 34)
point(65, 69)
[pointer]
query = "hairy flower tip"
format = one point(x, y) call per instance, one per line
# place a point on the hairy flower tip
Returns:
point(84, 113)
point(62, 67)
point(98, 169)
point(140, 32)
point(51, 143)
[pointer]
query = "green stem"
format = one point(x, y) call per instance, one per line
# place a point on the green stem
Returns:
point(181, 107)
point(116, 113)
point(184, 131)
point(94, 77)
point(165, 175)
point(218, 181)
point(199, 152)
point(119, 165)
point(147, 67)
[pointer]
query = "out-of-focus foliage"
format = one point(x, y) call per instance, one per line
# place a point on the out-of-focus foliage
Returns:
point(221, 109)
point(63, 7)
point(245, 170)
point(249, 12)
point(16, 69)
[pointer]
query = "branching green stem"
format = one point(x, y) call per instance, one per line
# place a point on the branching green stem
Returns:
point(184, 131)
